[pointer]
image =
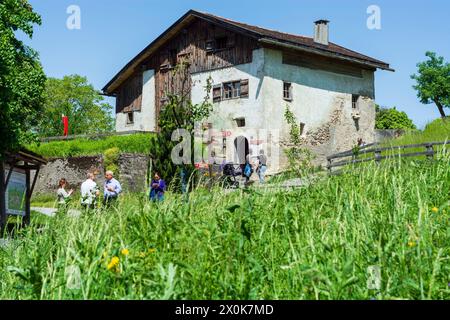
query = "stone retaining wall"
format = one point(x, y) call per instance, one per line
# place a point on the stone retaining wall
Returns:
point(133, 172)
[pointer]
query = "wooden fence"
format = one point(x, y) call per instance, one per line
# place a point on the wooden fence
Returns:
point(374, 152)
point(90, 136)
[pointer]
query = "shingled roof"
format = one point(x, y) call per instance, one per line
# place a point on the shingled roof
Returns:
point(263, 35)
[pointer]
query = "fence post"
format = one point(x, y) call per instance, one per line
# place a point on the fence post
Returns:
point(329, 165)
point(430, 151)
point(377, 155)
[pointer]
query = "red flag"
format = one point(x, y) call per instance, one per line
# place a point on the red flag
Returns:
point(65, 120)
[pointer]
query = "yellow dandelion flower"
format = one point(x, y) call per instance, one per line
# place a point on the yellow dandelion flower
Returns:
point(125, 252)
point(411, 244)
point(152, 250)
point(113, 263)
point(435, 210)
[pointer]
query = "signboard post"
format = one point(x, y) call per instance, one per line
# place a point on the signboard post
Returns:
point(16, 194)
point(2, 199)
point(15, 184)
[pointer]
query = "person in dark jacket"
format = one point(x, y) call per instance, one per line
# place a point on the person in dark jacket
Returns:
point(158, 187)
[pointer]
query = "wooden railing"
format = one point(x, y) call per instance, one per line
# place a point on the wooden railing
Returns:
point(90, 136)
point(377, 151)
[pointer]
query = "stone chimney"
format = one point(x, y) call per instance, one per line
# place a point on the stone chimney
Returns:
point(321, 34)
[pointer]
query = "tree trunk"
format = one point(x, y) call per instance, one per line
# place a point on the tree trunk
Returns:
point(440, 108)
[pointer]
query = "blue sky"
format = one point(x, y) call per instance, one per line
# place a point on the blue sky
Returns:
point(114, 31)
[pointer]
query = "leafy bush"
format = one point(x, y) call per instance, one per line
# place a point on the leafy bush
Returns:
point(298, 156)
point(111, 159)
point(392, 119)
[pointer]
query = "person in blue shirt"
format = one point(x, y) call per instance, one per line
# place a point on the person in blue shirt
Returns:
point(112, 189)
point(158, 187)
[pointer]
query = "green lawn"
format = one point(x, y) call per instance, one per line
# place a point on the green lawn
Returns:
point(313, 243)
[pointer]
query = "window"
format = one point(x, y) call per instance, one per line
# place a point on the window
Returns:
point(231, 90)
point(209, 46)
point(221, 43)
point(130, 117)
point(302, 129)
point(240, 122)
point(173, 58)
point(287, 91)
point(355, 99)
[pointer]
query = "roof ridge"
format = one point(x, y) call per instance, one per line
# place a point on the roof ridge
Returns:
point(255, 26)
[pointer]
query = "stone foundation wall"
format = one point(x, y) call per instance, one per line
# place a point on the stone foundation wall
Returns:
point(133, 169)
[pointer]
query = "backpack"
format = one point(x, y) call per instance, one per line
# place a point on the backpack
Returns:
point(248, 170)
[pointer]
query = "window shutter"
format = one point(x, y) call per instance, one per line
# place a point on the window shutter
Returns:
point(244, 88)
point(217, 93)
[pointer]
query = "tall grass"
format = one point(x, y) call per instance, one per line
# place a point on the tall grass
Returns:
point(311, 243)
point(136, 143)
point(435, 131)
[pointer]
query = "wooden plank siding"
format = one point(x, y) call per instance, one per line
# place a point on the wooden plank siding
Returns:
point(311, 61)
point(190, 45)
point(129, 95)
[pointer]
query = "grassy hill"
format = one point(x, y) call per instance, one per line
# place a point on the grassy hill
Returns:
point(136, 143)
point(436, 131)
point(312, 243)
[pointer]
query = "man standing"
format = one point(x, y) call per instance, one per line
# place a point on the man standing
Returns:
point(112, 188)
point(262, 166)
point(89, 192)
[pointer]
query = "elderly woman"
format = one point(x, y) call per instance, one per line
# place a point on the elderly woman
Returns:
point(158, 187)
point(63, 195)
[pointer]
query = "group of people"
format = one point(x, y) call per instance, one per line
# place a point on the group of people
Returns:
point(261, 167)
point(248, 167)
point(90, 191)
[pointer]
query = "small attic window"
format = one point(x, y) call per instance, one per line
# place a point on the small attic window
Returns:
point(302, 129)
point(130, 117)
point(355, 99)
point(287, 91)
point(221, 43)
point(210, 45)
point(240, 122)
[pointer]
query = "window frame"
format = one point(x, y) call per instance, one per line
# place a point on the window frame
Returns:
point(240, 122)
point(355, 101)
point(287, 97)
point(221, 40)
point(232, 92)
point(128, 121)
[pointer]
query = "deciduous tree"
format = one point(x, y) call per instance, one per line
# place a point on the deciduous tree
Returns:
point(433, 82)
point(22, 79)
point(76, 98)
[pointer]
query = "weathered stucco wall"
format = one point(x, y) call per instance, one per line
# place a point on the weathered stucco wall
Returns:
point(144, 120)
point(226, 111)
point(133, 172)
point(321, 100)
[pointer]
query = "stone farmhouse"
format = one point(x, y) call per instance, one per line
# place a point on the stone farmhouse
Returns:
point(256, 73)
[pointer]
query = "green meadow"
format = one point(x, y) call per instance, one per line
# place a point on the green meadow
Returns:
point(317, 242)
